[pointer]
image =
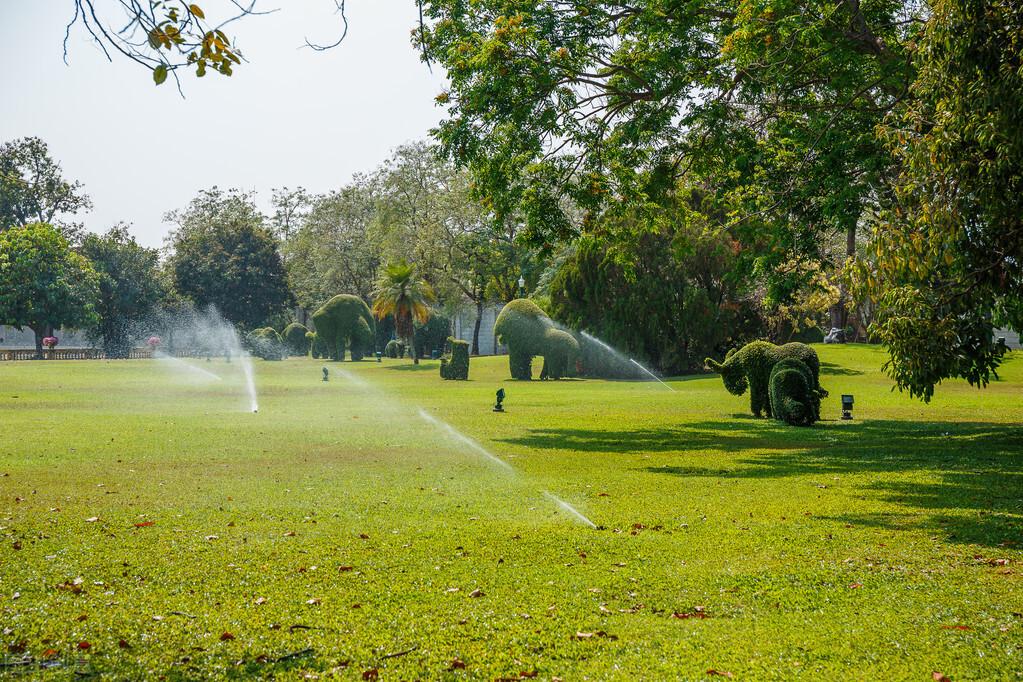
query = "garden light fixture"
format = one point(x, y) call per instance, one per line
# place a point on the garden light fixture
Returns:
point(325, 374)
point(498, 407)
point(847, 406)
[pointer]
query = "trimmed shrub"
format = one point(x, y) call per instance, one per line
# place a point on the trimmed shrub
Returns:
point(345, 322)
point(394, 349)
point(433, 335)
point(317, 348)
point(295, 339)
point(456, 365)
point(794, 399)
point(750, 367)
point(528, 332)
point(560, 353)
point(266, 343)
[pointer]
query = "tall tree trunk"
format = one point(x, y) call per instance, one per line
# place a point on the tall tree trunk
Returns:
point(40, 333)
point(476, 329)
point(840, 311)
point(415, 351)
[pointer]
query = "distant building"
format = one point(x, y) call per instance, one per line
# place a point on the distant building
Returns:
point(465, 321)
point(1011, 338)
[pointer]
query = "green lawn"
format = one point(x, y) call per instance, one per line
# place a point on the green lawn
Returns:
point(336, 531)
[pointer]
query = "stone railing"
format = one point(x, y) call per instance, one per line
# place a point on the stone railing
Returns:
point(71, 354)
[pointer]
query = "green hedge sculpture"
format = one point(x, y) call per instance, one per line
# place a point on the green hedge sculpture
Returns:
point(266, 343)
point(394, 349)
point(456, 365)
point(295, 339)
point(793, 398)
point(345, 322)
point(527, 332)
point(750, 367)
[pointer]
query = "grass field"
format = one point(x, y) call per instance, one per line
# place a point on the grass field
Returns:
point(152, 528)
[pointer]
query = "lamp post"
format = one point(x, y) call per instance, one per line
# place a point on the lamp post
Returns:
point(522, 286)
point(498, 407)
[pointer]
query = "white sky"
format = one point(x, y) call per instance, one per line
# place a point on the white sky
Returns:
point(287, 117)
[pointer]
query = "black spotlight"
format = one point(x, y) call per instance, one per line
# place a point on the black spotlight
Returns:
point(498, 407)
point(847, 405)
point(324, 373)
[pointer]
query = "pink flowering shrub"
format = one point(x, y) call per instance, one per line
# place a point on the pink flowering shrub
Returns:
point(50, 342)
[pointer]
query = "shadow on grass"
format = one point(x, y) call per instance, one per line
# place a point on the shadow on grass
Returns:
point(837, 370)
point(975, 491)
point(423, 366)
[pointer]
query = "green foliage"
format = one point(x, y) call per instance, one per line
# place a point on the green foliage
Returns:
point(295, 339)
point(432, 335)
point(344, 322)
point(456, 365)
point(750, 367)
point(129, 287)
point(527, 331)
point(394, 349)
point(669, 296)
point(794, 398)
point(402, 294)
point(560, 353)
point(43, 283)
point(266, 343)
point(32, 186)
point(317, 346)
point(224, 256)
point(946, 260)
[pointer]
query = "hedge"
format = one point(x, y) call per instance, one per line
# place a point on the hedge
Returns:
point(456, 365)
point(345, 322)
point(295, 339)
point(750, 367)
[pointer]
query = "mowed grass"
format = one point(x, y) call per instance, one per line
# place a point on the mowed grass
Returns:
point(336, 532)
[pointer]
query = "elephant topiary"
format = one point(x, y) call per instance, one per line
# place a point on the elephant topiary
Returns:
point(794, 399)
point(394, 349)
point(528, 332)
point(456, 365)
point(344, 322)
point(295, 339)
point(750, 367)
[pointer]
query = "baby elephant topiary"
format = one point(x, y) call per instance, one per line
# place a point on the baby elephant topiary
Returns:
point(266, 343)
point(794, 399)
point(456, 366)
point(527, 331)
point(394, 349)
point(750, 367)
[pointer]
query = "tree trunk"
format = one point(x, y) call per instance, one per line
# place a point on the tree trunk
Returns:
point(840, 311)
point(476, 329)
point(415, 351)
point(40, 334)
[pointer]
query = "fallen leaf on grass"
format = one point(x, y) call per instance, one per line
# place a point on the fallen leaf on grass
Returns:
point(476, 593)
point(49, 653)
point(956, 627)
point(855, 586)
point(260, 601)
point(363, 536)
point(697, 612)
point(17, 544)
point(83, 645)
point(123, 644)
point(290, 534)
point(145, 524)
point(343, 569)
point(73, 586)
point(456, 664)
point(938, 677)
point(591, 635)
point(226, 636)
point(722, 673)
point(313, 602)
point(370, 674)
point(92, 519)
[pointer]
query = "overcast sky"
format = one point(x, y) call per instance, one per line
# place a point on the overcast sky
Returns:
point(288, 117)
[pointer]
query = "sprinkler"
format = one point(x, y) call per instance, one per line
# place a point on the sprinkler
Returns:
point(847, 406)
point(325, 373)
point(498, 407)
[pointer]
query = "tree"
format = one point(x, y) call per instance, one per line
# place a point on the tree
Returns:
point(43, 283)
point(402, 294)
point(223, 256)
point(946, 259)
point(291, 208)
point(332, 250)
point(32, 187)
point(129, 286)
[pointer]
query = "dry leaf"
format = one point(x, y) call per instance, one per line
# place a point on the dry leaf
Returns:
point(83, 645)
point(290, 534)
point(938, 677)
point(313, 602)
point(370, 674)
point(226, 636)
point(722, 673)
point(92, 519)
point(855, 586)
point(476, 593)
point(145, 524)
point(456, 664)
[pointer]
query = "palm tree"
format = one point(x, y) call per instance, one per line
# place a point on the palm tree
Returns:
point(400, 293)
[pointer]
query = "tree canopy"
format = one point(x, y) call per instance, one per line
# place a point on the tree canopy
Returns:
point(32, 185)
